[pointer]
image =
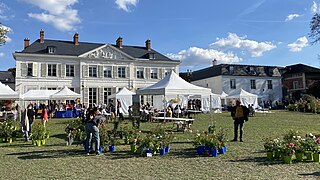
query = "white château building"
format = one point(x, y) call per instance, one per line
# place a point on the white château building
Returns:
point(92, 69)
point(264, 81)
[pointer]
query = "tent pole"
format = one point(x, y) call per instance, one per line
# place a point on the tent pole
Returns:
point(211, 115)
point(165, 108)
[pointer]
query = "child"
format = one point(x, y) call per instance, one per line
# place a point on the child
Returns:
point(44, 115)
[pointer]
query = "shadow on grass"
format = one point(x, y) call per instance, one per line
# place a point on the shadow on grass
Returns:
point(44, 154)
point(259, 160)
point(59, 136)
point(120, 155)
point(316, 174)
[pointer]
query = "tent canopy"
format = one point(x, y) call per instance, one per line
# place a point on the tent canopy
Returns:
point(172, 84)
point(223, 94)
point(6, 93)
point(123, 92)
point(35, 95)
point(65, 93)
point(245, 98)
point(125, 97)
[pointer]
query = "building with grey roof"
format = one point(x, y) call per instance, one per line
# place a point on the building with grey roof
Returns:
point(94, 70)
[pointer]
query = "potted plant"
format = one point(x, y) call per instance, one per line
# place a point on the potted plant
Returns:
point(221, 135)
point(316, 153)
point(213, 144)
point(269, 146)
point(200, 142)
point(288, 152)
point(39, 134)
point(309, 146)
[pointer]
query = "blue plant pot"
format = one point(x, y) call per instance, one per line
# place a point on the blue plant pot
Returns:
point(201, 149)
point(222, 150)
point(111, 148)
point(167, 149)
point(149, 151)
point(100, 149)
point(214, 152)
point(162, 152)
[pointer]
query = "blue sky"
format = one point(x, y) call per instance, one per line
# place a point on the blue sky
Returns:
point(258, 32)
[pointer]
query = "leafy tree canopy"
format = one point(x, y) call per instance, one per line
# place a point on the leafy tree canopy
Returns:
point(3, 34)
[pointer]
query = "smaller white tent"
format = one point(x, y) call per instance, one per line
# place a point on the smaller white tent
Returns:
point(65, 93)
point(215, 103)
point(223, 97)
point(245, 98)
point(125, 97)
point(38, 95)
point(6, 93)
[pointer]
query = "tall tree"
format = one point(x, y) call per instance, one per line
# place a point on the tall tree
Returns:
point(3, 34)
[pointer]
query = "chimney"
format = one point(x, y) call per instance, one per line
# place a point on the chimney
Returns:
point(26, 42)
point(119, 42)
point(76, 38)
point(148, 44)
point(214, 62)
point(41, 36)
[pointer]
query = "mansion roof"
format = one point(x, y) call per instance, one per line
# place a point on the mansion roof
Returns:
point(235, 70)
point(68, 48)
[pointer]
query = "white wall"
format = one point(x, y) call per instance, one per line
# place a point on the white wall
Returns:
point(222, 83)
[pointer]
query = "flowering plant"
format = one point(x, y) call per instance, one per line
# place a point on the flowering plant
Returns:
point(288, 148)
point(75, 132)
point(309, 143)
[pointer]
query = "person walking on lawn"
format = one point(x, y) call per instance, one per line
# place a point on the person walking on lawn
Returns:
point(239, 114)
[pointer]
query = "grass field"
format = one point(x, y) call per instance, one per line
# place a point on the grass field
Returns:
point(21, 160)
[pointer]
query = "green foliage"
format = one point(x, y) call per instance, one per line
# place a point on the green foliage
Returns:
point(75, 131)
point(315, 28)
point(39, 132)
point(3, 34)
point(292, 107)
point(8, 129)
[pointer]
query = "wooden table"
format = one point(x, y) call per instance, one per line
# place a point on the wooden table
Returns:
point(182, 123)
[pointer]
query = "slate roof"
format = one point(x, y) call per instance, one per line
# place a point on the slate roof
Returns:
point(238, 70)
point(6, 76)
point(69, 49)
point(301, 68)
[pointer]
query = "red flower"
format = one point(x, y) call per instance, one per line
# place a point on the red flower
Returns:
point(291, 145)
point(292, 151)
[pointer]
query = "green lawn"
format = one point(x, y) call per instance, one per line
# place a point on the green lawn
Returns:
point(21, 160)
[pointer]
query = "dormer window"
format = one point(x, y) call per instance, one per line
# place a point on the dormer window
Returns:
point(152, 56)
point(231, 69)
point(51, 49)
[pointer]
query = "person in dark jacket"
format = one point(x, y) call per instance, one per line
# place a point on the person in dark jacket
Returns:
point(239, 114)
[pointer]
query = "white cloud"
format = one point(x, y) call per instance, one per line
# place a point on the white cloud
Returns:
point(2, 54)
point(58, 13)
point(298, 44)
point(195, 56)
point(5, 12)
point(125, 4)
point(290, 17)
point(256, 49)
point(314, 7)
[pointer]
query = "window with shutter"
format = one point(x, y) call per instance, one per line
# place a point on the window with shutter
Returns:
point(43, 70)
point(85, 70)
point(23, 69)
point(29, 69)
point(100, 71)
point(34, 69)
point(115, 72)
point(69, 69)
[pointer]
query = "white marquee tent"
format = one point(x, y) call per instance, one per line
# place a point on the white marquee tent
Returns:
point(125, 97)
point(172, 86)
point(6, 93)
point(64, 93)
point(38, 95)
point(245, 98)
